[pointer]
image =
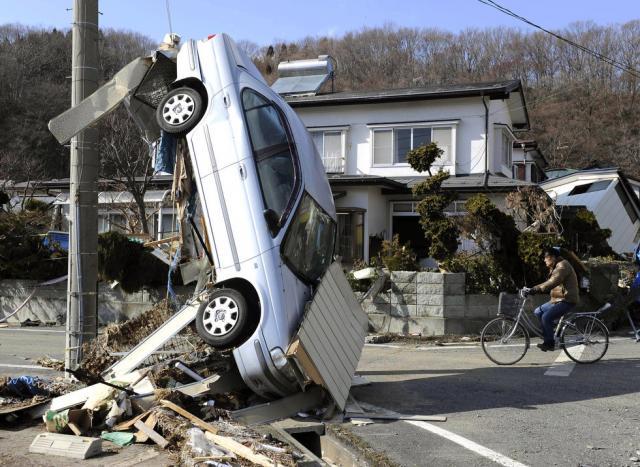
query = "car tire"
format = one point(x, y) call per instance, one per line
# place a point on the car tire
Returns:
point(222, 321)
point(180, 111)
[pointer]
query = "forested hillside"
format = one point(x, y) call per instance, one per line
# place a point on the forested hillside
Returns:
point(582, 110)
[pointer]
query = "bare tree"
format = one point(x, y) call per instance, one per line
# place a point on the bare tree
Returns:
point(126, 160)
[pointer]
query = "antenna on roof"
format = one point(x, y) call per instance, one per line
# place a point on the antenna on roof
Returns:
point(169, 17)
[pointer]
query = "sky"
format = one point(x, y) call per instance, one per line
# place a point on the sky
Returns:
point(265, 22)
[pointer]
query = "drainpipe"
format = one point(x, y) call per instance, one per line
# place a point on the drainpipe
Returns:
point(486, 143)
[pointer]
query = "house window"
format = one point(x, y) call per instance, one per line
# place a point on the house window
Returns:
point(350, 236)
point(331, 146)
point(590, 187)
point(391, 145)
point(504, 145)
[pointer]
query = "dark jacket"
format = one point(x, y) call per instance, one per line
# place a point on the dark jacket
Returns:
point(562, 283)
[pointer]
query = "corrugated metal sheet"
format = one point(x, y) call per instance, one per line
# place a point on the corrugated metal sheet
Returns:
point(332, 333)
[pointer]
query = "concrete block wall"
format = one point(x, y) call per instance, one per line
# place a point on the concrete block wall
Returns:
point(433, 304)
point(49, 303)
point(428, 303)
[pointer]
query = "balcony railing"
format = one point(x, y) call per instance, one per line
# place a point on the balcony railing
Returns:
point(333, 165)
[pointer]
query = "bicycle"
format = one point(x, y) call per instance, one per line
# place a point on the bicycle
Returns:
point(505, 339)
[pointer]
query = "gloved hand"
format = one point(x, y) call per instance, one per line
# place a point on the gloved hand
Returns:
point(526, 291)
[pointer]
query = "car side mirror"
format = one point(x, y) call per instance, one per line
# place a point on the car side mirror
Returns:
point(272, 220)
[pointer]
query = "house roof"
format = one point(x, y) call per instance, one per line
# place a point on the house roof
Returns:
point(493, 90)
point(471, 183)
point(591, 175)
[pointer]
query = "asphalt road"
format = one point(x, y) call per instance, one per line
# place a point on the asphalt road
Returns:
point(496, 415)
point(588, 418)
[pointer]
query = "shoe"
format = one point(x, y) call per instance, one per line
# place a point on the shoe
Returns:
point(546, 347)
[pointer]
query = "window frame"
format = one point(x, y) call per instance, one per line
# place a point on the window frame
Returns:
point(448, 124)
point(504, 130)
point(265, 153)
point(343, 141)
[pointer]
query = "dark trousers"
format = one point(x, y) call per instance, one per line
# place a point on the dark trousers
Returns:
point(548, 313)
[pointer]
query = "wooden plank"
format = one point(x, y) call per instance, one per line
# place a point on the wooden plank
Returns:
point(297, 351)
point(151, 433)
point(150, 422)
point(281, 408)
point(192, 418)
point(124, 426)
point(155, 243)
point(241, 450)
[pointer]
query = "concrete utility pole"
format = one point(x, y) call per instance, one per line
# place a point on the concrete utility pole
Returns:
point(82, 316)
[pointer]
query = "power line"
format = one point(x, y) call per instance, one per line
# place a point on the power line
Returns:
point(608, 60)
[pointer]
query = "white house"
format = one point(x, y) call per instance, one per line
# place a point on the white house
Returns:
point(364, 137)
point(608, 193)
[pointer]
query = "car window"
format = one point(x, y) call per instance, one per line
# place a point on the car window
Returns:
point(308, 245)
point(272, 151)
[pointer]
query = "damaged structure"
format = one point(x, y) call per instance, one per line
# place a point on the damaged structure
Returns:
point(257, 226)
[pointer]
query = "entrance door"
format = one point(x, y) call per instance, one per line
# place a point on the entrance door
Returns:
point(410, 230)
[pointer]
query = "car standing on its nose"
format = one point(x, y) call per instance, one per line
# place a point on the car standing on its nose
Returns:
point(265, 200)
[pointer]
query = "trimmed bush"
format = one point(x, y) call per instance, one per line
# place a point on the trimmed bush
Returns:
point(129, 263)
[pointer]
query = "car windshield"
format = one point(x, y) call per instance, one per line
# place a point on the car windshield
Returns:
point(308, 246)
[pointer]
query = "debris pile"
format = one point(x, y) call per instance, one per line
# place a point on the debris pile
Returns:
point(182, 400)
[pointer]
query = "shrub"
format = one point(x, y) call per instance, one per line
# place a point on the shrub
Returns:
point(484, 274)
point(397, 257)
point(129, 263)
point(36, 205)
point(583, 233)
point(495, 233)
point(22, 254)
point(530, 250)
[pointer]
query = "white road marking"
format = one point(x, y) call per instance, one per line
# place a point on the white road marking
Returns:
point(26, 367)
point(457, 439)
point(563, 365)
point(468, 444)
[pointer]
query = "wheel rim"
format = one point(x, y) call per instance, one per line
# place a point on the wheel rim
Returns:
point(585, 340)
point(504, 341)
point(220, 316)
point(178, 109)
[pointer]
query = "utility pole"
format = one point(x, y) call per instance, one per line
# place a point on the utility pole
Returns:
point(82, 316)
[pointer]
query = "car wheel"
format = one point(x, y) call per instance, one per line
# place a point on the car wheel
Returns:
point(222, 320)
point(180, 110)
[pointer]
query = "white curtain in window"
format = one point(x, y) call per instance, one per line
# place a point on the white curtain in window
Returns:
point(382, 146)
point(333, 151)
point(442, 137)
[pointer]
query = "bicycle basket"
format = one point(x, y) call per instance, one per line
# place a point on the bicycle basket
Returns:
point(509, 304)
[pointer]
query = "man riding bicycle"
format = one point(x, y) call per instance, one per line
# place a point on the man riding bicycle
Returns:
point(563, 287)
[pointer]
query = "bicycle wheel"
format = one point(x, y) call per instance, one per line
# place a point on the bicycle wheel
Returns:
point(504, 341)
point(585, 339)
